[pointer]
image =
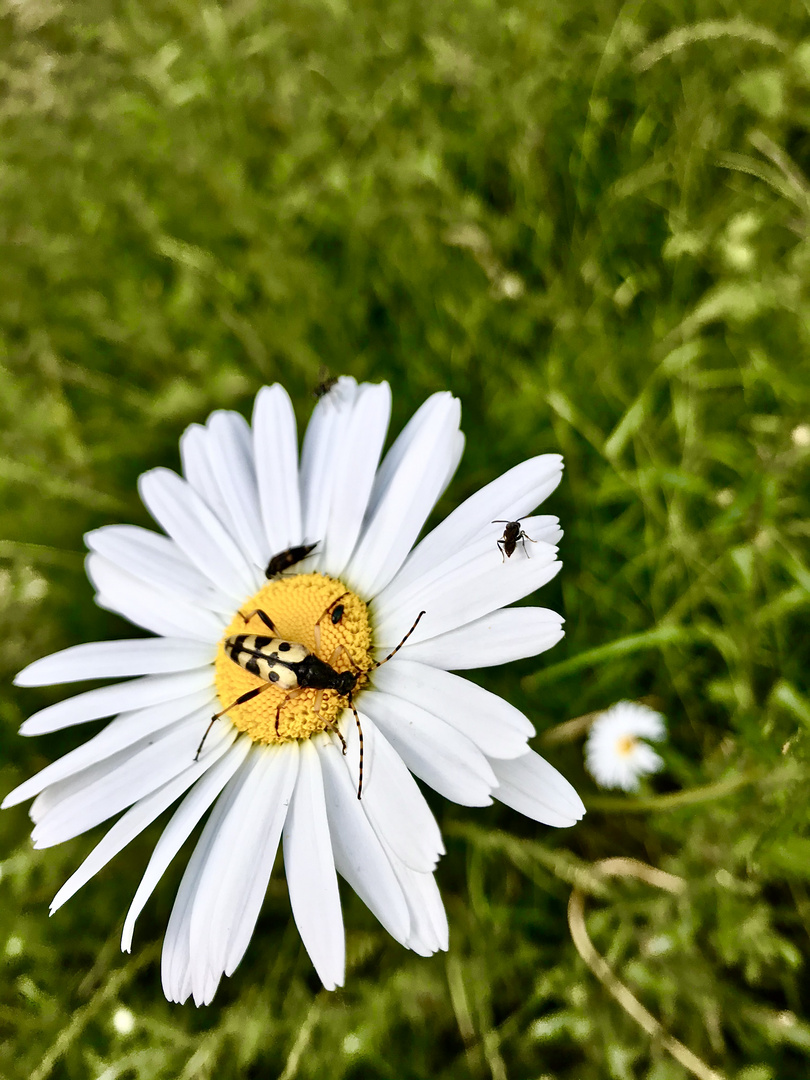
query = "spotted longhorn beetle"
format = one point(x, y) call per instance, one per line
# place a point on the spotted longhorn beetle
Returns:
point(290, 666)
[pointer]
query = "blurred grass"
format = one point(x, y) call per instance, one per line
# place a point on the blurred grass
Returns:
point(590, 221)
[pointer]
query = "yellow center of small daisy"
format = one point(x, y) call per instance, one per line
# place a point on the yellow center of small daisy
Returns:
point(625, 745)
point(329, 621)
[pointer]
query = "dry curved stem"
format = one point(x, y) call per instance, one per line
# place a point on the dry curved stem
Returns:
point(710, 30)
point(621, 867)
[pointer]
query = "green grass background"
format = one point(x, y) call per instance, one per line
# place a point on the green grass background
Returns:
point(590, 221)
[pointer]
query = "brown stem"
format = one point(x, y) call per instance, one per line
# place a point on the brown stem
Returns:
point(621, 867)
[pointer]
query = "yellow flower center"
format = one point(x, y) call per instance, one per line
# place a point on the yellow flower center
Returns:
point(303, 610)
point(625, 745)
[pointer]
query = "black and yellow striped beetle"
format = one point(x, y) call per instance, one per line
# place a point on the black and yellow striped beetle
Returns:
point(290, 666)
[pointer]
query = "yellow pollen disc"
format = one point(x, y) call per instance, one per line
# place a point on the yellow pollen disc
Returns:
point(625, 745)
point(295, 605)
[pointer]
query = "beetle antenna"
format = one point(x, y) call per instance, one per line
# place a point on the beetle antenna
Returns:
point(205, 736)
point(379, 663)
point(360, 733)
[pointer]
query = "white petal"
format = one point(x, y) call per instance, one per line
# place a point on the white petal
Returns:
point(221, 844)
point(197, 531)
point(434, 911)
point(158, 562)
point(146, 768)
point(275, 451)
point(391, 798)
point(180, 827)
point(249, 901)
point(126, 730)
point(405, 493)
point(623, 719)
point(471, 583)
point(56, 793)
point(437, 754)
point(533, 787)
point(646, 760)
point(107, 700)
point(310, 868)
point(424, 416)
point(151, 608)
point(454, 459)
point(137, 818)
point(175, 964)
point(498, 638)
point(402, 822)
point(197, 470)
point(359, 854)
point(510, 497)
point(234, 880)
point(326, 431)
point(456, 454)
point(230, 451)
point(429, 930)
point(117, 659)
point(497, 728)
point(355, 454)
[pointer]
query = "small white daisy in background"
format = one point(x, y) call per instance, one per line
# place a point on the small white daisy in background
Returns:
point(123, 1021)
point(282, 765)
point(615, 755)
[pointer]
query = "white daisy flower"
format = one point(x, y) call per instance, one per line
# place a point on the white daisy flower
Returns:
point(614, 753)
point(286, 767)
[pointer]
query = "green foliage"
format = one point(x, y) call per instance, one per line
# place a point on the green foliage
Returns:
point(591, 221)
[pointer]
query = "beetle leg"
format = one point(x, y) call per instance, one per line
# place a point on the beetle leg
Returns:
point(239, 701)
point(293, 694)
point(336, 655)
point(268, 622)
point(336, 731)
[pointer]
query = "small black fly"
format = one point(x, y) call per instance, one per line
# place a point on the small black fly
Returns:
point(325, 384)
point(511, 535)
point(285, 559)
